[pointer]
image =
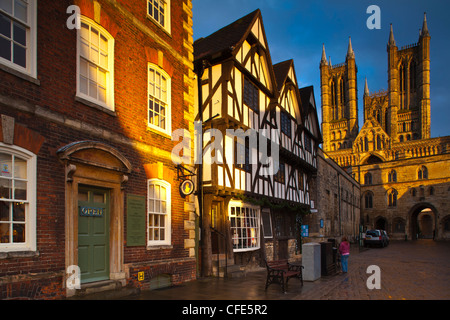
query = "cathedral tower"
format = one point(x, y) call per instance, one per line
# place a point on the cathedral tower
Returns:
point(409, 88)
point(339, 99)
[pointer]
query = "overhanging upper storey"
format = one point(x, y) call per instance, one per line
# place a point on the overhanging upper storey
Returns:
point(243, 41)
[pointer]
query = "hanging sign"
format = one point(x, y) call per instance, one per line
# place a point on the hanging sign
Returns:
point(91, 212)
point(186, 188)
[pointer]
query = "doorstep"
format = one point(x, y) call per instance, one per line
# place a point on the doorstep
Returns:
point(103, 290)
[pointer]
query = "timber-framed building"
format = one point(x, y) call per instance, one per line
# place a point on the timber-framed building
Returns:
point(248, 212)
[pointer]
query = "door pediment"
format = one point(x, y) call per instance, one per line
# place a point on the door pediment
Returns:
point(95, 154)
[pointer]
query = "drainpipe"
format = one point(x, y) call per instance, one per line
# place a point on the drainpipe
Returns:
point(201, 69)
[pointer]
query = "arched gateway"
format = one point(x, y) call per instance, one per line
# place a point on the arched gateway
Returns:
point(423, 221)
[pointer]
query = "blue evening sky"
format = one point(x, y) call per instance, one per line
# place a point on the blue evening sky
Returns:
point(296, 29)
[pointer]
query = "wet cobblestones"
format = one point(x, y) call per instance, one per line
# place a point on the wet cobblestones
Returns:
point(417, 270)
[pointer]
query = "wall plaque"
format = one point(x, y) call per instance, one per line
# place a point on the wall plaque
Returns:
point(136, 220)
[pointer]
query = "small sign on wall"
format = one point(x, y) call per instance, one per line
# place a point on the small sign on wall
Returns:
point(305, 230)
point(136, 218)
point(91, 212)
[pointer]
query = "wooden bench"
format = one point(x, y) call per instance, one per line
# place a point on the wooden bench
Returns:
point(280, 271)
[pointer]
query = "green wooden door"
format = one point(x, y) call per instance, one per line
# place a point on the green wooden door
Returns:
point(93, 234)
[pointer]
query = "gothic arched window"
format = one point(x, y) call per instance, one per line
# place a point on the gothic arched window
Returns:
point(399, 225)
point(412, 76)
point(392, 176)
point(403, 79)
point(422, 173)
point(368, 200)
point(368, 178)
point(378, 142)
point(392, 198)
point(333, 101)
point(342, 96)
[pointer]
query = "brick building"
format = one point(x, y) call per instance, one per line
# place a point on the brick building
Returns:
point(87, 114)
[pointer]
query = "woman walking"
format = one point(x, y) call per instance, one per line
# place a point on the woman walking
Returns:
point(344, 250)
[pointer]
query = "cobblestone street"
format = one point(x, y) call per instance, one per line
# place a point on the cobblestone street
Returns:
point(418, 270)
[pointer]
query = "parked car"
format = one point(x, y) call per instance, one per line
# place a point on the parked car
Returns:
point(376, 237)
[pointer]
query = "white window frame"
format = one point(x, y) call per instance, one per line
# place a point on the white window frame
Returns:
point(31, 41)
point(167, 14)
point(30, 203)
point(167, 216)
point(109, 104)
point(152, 97)
point(255, 225)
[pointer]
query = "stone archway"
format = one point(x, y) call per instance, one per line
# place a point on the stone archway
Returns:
point(422, 221)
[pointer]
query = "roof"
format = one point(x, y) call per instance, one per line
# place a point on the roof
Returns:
point(306, 93)
point(226, 38)
point(281, 71)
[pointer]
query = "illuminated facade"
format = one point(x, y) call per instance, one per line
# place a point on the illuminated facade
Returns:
point(403, 171)
point(88, 188)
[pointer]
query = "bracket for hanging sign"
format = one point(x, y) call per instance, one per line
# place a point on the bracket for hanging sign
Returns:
point(187, 186)
point(181, 173)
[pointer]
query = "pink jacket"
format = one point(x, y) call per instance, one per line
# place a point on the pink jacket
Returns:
point(344, 248)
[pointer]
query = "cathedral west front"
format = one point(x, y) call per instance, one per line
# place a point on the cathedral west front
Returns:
point(404, 173)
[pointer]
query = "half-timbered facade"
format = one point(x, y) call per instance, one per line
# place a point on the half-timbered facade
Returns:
point(260, 136)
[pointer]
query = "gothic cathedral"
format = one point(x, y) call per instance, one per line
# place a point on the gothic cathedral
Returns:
point(403, 172)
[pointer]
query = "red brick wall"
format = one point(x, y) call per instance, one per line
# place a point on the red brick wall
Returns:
point(56, 65)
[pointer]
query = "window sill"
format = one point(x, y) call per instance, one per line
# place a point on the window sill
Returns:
point(20, 74)
point(149, 17)
point(161, 133)
point(95, 106)
point(245, 250)
point(18, 254)
point(159, 247)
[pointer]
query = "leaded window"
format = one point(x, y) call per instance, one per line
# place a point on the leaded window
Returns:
point(285, 123)
point(245, 224)
point(251, 95)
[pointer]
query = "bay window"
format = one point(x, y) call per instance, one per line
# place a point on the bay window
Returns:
point(245, 224)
